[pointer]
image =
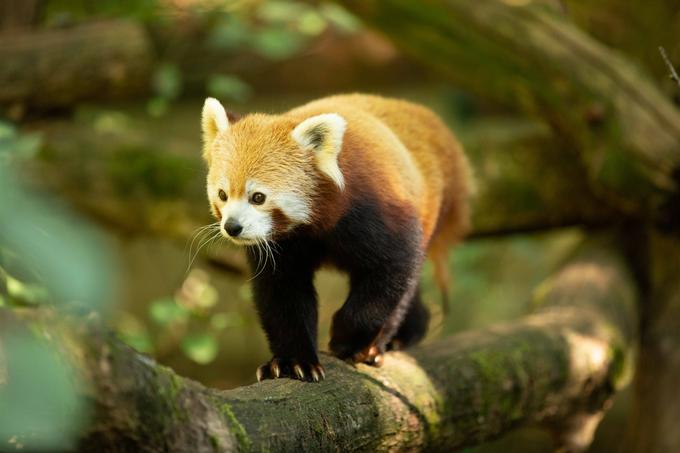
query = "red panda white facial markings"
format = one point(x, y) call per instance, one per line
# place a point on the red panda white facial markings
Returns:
point(294, 206)
point(256, 224)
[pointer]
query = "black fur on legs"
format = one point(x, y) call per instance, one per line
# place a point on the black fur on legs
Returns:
point(414, 325)
point(286, 303)
point(380, 248)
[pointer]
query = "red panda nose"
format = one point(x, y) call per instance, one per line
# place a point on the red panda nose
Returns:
point(232, 227)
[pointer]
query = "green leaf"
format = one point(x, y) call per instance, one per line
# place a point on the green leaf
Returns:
point(312, 23)
point(70, 257)
point(167, 81)
point(139, 341)
point(157, 107)
point(28, 145)
point(39, 404)
point(166, 311)
point(277, 43)
point(229, 34)
point(340, 18)
point(7, 130)
point(228, 87)
point(274, 11)
point(201, 348)
point(27, 293)
point(221, 321)
point(18, 145)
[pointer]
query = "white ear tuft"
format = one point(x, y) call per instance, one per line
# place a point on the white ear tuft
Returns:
point(213, 121)
point(323, 134)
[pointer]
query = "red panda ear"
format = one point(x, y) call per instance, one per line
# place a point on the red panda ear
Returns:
point(213, 121)
point(323, 135)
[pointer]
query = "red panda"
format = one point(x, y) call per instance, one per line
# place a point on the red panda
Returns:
point(368, 184)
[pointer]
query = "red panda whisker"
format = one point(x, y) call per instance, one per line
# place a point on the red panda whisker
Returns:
point(201, 245)
point(260, 267)
point(200, 231)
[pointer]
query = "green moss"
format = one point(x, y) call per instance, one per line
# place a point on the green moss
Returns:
point(492, 369)
point(170, 386)
point(236, 428)
point(619, 370)
point(175, 385)
point(488, 364)
point(214, 442)
point(624, 174)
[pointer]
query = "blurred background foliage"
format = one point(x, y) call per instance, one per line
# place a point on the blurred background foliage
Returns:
point(98, 197)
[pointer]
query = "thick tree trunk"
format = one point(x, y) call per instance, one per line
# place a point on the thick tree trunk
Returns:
point(59, 67)
point(656, 412)
point(558, 367)
point(626, 133)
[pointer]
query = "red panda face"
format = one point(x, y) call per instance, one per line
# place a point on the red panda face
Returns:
point(264, 171)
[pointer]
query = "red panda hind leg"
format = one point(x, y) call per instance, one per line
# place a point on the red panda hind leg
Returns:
point(381, 252)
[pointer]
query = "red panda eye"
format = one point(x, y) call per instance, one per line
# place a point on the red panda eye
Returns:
point(257, 198)
point(222, 194)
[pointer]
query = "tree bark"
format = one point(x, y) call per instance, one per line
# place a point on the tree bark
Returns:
point(53, 68)
point(655, 412)
point(19, 14)
point(626, 133)
point(558, 367)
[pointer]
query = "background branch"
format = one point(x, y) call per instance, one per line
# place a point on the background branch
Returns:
point(673, 75)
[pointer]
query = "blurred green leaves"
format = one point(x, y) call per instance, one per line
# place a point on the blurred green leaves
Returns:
point(228, 87)
point(53, 247)
point(42, 243)
point(167, 311)
point(47, 256)
point(277, 43)
point(15, 146)
point(166, 84)
point(22, 293)
point(202, 348)
point(39, 403)
point(191, 322)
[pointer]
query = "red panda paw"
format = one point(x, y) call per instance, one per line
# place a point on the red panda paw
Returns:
point(371, 355)
point(291, 368)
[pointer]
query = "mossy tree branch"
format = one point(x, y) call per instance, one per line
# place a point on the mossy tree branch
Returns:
point(557, 368)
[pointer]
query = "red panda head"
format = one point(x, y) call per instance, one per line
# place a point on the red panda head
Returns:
point(265, 171)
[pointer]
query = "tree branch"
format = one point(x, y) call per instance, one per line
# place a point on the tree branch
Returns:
point(673, 75)
point(60, 67)
point(557, 367)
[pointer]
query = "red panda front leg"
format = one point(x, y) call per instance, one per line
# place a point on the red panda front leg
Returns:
point(286, 303)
